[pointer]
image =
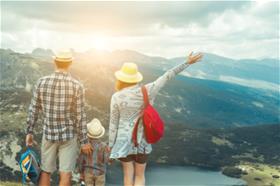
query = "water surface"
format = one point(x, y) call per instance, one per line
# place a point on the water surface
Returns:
point(177, 176)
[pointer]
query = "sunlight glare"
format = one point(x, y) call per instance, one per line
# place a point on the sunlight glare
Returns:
point(99, 43)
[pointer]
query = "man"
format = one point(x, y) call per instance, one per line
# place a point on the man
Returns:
point(61, 100)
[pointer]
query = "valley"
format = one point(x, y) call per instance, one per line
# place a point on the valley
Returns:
point(210, 123)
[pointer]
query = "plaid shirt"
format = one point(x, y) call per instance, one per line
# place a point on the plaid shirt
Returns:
point(95, 164)
point(61, 100)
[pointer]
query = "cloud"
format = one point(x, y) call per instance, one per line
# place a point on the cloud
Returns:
point(257, 104)
point(90, 15)
point(251, 83)
point(169, 29)
point(199, 74)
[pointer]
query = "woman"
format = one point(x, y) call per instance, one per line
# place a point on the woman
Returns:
point(126, 106)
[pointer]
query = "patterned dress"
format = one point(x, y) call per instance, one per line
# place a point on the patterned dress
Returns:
point(126, 106)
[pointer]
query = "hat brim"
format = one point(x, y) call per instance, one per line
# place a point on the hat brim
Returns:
point(63, 60)
point(138, 77)
point(99, 136)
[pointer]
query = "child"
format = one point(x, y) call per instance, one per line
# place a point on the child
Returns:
point(92, 168)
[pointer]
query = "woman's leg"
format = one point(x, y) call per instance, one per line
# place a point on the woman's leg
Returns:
point(140, 174)
point(128, 173)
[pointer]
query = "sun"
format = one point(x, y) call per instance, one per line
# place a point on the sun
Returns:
point(99, 42)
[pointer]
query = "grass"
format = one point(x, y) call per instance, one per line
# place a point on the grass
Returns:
point(7, 183)
point(260, 174)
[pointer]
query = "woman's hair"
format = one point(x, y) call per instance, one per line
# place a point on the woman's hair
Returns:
point(120, 85)
point(62, 65)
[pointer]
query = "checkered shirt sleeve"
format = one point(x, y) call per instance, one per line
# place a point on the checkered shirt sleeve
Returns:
point(34, 108)
point(81, 115)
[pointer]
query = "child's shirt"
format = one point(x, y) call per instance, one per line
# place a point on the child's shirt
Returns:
point(96, 163)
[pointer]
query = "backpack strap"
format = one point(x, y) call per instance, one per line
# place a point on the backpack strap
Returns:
point(146, 103)
point(135, 131)
point(145, 96)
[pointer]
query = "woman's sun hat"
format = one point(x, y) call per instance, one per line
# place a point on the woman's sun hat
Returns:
point(129, 73)
point(63, 56)
point(95, 129)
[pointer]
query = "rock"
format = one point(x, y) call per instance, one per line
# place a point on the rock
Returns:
point(258, 179)
point(232, 172)
point(276, 176)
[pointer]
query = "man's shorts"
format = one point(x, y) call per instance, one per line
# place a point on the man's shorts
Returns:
point(138, 158)
point(65, 151)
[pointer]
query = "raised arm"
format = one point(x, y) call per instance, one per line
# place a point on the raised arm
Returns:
point(155, 86)
point(114, 121)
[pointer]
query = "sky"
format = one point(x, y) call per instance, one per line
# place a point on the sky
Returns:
point(240, 29)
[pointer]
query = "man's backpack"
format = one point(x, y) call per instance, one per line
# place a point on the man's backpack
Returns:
point(152, 123)
point(30, 167)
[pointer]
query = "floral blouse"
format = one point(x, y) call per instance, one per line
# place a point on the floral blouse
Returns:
point(126, 106)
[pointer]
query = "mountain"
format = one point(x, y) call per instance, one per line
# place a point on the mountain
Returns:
point(202, 96)
point(215, 110)
point(42, 53)
point(247, 72)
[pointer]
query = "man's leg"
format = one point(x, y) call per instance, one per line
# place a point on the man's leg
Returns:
point(65, 178)
point(67, 153)
point(48, 160)
point(45, 179)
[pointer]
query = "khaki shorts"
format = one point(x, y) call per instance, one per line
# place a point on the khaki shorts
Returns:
point(65, 151)
point(91, 180)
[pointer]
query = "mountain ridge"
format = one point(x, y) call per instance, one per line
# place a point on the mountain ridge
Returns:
point(21, 71)
point(213, 123)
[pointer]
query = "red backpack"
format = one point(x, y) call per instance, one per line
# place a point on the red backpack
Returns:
point(152, 123)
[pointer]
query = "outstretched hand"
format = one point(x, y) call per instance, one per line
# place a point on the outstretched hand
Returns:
point(194, 58)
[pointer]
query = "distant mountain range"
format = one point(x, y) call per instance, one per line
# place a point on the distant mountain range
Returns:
point(217, 92)
point(218, 112)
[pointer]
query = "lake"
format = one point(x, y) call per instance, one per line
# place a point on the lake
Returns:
point(177, 176)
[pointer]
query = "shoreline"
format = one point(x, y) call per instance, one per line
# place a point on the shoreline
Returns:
point(256, 174)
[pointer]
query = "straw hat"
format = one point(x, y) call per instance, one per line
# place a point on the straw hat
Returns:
point(95, 129)
point(63, 56)
point(129, 73)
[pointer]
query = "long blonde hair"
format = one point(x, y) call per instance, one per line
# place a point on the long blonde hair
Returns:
point(121, 85)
